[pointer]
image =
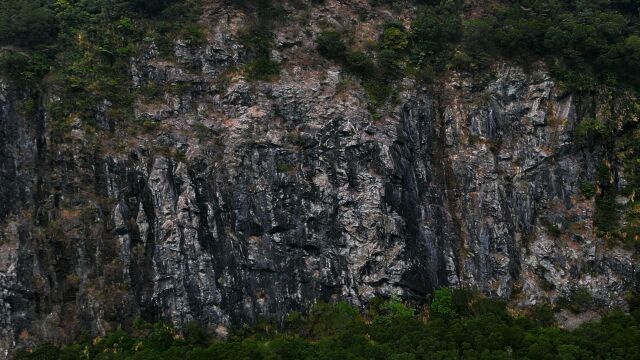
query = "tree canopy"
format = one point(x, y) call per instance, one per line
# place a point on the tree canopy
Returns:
point(462, 325)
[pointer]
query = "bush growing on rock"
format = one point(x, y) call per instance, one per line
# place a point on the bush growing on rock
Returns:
point(360, 63)
point(256, 39)
point(330, 45)
point(394, 38)
point(263, 69)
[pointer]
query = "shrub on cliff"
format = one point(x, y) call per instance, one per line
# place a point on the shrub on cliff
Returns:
point(360, 63)
point(394, 37)
point(262, 68)
point(330, 45)
point(256, 39)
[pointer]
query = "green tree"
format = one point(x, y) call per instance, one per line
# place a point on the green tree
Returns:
point(27, 22)
point(394, 38)
point(442, 305)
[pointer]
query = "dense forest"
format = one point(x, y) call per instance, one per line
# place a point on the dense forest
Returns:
point(458, 324)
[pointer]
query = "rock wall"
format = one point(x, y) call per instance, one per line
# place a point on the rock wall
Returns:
point(250, 200)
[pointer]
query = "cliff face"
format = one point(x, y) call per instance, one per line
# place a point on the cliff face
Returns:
point(249, 200)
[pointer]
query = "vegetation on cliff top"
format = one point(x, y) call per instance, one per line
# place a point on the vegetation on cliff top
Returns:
point(81, 51)
point(586, 43)
point(458, 325)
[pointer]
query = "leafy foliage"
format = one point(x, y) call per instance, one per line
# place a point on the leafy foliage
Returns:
point(27, 22)
point(262, 69)
point(389, 329)
point(330, 44)
point(442, 305)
